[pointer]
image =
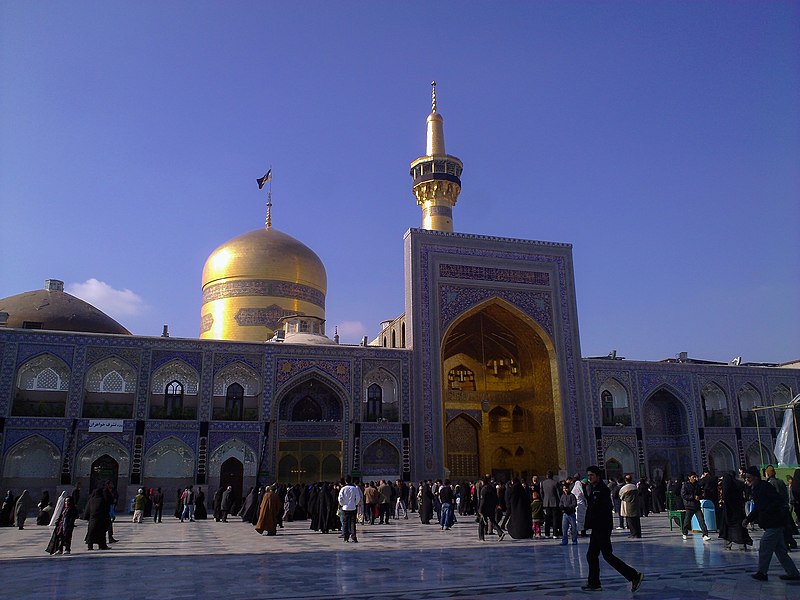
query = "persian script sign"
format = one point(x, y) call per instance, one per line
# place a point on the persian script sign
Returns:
point(105, 425)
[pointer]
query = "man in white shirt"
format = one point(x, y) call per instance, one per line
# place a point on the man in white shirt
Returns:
point(349, 499)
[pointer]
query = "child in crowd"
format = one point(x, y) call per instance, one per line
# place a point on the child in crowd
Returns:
point(537, 514)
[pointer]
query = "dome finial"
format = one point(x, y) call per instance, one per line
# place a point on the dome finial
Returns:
point(433, 96)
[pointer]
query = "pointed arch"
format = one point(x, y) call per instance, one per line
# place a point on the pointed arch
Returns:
point(381, 458)
point(41, 387)
point(749, 397)
point(98, 447)
point(44, 372)
point(623, 454)
point(33, 457)
point(500, 420)
point(668, 433)
point(328, 395)
point(514, 363)
point(758, 455)
point(112, 375)
point(781, 395)
point(381, 403)
point(614, 403)
point(170, 458)
point(714, 401)
point(721, 459)
point(175, 370)
point(237, 372)
point(174, 391)
point(234, 448)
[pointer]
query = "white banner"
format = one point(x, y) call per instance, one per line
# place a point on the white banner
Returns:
point(105, 425)
point(784, 443)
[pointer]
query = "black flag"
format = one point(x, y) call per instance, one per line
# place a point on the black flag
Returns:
point(263, 180)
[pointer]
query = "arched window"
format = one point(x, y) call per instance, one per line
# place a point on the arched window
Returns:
point(403, 334)
point(173, 399)
point(384, 341)
point(749, 398)
point(461, 378)
point(715, 406)
point(234, 401)
point(500, 420)
point(394, 339)
point(614, 403)
point(374, 402)
point(781, 395)
point(307, 410)
point(518, 420)
point(45, 373)
point(607, 402)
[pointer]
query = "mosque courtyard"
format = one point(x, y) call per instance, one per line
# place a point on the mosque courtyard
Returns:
point(403, 560)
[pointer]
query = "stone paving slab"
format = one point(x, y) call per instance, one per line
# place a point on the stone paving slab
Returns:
point(404, 560)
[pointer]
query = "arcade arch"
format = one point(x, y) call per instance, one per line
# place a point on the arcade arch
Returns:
point(667, 435)
point(498, 362)
point(41, 387)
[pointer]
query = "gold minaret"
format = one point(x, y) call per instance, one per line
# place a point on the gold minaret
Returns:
point(437, 175)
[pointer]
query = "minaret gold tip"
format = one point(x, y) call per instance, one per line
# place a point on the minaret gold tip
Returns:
point(433, 96)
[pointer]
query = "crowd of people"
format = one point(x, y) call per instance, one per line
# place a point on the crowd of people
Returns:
point(544, 507)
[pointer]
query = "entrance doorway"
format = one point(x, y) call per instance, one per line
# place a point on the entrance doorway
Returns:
point(104, 469)
point(501, 395)
point(231, 473)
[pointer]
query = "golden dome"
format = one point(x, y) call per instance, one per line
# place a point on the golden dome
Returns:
point(255, 279)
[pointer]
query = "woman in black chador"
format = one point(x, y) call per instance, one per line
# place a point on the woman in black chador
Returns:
point(45, 509)
point(200, 511)
point(520, 525)
point(426, 505)
point(61, 540)
point(313, 507)
point(732, 513)
point(7, 510)
point(97, 513)
point(249, 509)
point(324, 507)
point(178, 504)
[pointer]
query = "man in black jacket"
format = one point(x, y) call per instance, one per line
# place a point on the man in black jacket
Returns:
point(600, 519)
point(768, 513)
point(692, 494)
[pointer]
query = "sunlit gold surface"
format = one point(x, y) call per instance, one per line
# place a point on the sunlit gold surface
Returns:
point(266, 254)
point(435, 135)
point(436, 175)
point(263, 254)
point(535, 443)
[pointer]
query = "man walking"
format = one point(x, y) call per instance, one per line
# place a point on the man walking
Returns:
point(768, 513)
point(385, 499)
point(549, 491)
point(158, 505)
point(692, 493)
point(629, 496)
point(371, 499)
point(600, 519)
point(187, 498)
point(226, 505)
point(447, 498)
point(349, 498)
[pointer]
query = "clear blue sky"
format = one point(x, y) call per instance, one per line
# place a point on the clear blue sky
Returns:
point(661, 139)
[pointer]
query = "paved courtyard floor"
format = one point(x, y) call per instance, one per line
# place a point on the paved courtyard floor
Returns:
point(403, 560)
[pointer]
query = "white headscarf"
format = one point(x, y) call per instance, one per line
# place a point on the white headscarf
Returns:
point(577, 491)
point(58, 508)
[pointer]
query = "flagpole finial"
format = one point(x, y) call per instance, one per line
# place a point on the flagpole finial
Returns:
point(268, 222)
point(433, 96)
